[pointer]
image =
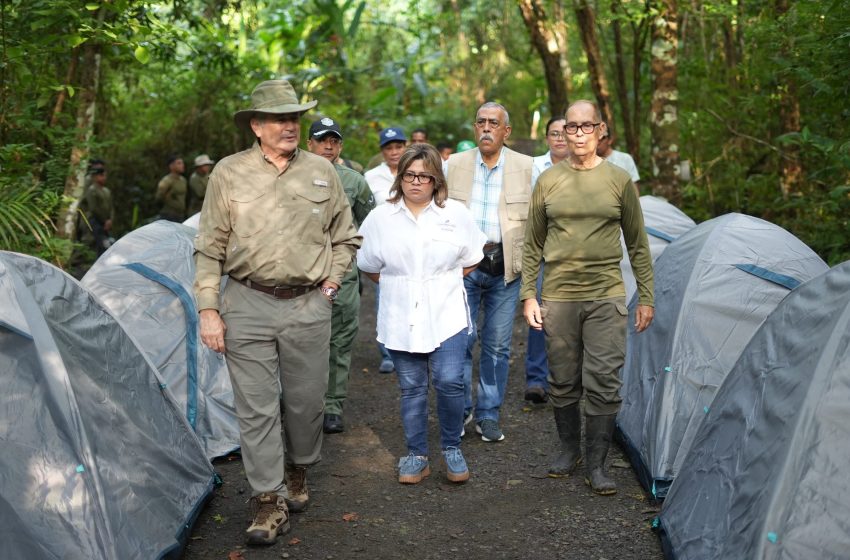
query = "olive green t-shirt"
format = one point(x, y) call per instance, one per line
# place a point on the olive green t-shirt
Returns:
point(197, 191)
point(574, 224)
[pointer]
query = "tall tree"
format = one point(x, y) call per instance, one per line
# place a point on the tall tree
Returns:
point(664, 109)
point(589, 39)
point(791, 167)
point(549, 38)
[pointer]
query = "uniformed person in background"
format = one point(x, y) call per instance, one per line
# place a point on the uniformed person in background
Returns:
point(171, 191)
point(96, 209)
point(277, 221)
point(198, 183)
point(326, 140)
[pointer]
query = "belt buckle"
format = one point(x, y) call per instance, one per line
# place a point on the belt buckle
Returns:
point(282, 292)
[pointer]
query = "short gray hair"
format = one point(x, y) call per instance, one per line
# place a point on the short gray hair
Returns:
point(494, 105)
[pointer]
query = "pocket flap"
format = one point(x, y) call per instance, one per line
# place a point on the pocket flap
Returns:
point(313, 193)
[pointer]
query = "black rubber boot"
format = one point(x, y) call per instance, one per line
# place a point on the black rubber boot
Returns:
point(599, 430)
point(568, 421)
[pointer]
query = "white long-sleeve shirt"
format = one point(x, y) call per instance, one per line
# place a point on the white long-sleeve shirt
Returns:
point(421, 262)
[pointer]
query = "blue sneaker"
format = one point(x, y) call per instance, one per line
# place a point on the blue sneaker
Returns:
point(412, 469)
point(456, 469)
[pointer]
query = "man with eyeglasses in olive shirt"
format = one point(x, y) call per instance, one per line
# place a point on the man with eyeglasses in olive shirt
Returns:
point(577, 211)
point(536, 368)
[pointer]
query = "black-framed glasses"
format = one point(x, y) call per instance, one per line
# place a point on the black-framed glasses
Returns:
point(587, 127)
point(421, 178)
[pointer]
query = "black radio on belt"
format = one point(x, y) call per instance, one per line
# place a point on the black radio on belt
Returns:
point(493, 262)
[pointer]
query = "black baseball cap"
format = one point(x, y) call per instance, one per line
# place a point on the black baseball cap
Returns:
point(325, 126)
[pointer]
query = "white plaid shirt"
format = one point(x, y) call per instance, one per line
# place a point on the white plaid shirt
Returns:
point(484, 201)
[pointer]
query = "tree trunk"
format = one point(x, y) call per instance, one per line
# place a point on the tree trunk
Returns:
point(549, 39)
point(622, 86)
point(791, 168)
point(87, 98)
point(664, 118)
point(587, 28)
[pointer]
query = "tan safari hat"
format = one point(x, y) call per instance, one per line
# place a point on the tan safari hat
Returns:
point(203, 159)
point(275, 97)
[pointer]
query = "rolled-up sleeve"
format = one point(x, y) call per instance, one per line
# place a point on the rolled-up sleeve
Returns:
point(344, 237)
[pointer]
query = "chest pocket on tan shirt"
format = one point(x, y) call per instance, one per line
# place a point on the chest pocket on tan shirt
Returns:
point(247, 214)
point(313, 220)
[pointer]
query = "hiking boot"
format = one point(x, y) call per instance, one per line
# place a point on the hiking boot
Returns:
point(386, 366)
point(296, 488)
point(270, 519)
point(568, 422)
point(456, 469)
point(536, 394)
point(332, 424)
point(489, 430)
point(413, 469)
point(598, 430)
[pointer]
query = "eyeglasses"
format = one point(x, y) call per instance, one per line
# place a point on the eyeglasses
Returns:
point(587, 127)
point(494, 123)
point(421, 178)
point(556, 135)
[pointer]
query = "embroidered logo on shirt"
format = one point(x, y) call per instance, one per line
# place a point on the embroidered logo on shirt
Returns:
point(320, 183)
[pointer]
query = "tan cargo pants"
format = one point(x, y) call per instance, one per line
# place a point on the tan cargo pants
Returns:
point(585, 347)
point(277, 354)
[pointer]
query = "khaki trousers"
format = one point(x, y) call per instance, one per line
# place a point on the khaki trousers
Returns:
point(585, 347)
point(277, 354)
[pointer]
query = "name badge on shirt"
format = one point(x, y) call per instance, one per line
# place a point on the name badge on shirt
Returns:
point(320, 183)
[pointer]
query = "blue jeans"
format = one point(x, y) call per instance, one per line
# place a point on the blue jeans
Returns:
point(536, 364)
point(445, 364)
point(498, 302)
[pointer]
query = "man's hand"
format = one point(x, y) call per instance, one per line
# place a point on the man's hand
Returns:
point(531, 312)
point(212, 330)
point(643, 317)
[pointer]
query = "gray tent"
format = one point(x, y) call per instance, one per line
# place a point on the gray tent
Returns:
point(97, 460)
point(145, 280)
point(766, 476)
point(713, 288)
point(663, 223)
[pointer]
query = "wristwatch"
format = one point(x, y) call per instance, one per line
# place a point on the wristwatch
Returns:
point(329, 292)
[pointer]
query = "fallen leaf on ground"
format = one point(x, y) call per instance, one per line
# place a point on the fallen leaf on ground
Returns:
point(235, 555)
point(293, 541)
point(349, 517)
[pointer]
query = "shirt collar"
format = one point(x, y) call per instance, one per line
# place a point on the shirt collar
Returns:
point(266, 161)
point(479, 161)
point(400, 206)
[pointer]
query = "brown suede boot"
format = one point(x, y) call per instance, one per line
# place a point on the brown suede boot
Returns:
point(296, 488)
point(271, 519)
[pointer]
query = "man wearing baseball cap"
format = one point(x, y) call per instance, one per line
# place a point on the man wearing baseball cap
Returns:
point(198, 183)
point(278, 223)
point(392, 142)
point(326, 140)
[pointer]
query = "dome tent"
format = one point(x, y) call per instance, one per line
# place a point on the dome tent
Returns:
point(663, 223)
point(145, 280)
point(713, 288)
point(766, 473)
point(98, 462)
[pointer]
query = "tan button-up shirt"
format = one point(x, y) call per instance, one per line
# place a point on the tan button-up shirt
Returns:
point(277, 229)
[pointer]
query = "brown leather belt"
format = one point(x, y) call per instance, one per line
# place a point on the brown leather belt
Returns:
point(279, 292)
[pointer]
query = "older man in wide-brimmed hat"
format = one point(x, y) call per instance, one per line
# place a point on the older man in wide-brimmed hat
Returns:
point(277, 221)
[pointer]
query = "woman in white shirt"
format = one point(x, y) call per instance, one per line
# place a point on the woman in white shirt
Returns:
point(419, 245)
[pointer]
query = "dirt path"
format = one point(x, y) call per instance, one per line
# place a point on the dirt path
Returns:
point(508, 509)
